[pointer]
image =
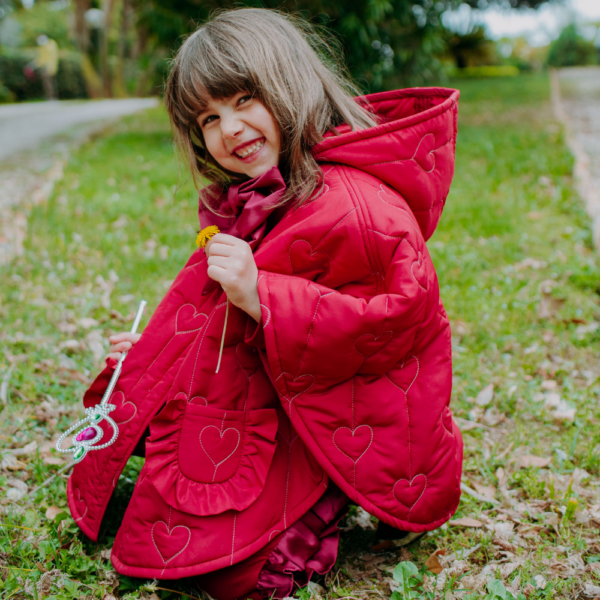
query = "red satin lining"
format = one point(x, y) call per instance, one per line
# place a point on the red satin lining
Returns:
point(310, 545)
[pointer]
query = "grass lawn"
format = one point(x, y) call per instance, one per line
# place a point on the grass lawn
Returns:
point(519, 280)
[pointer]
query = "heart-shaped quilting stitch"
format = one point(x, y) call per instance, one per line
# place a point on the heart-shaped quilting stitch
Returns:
point(188, 320)
point(248, 358)
point(219, 445)
point(297, 385)
point(404, 375)
point(307, 262)
point(424, 154)
point(199, 400)
point(368, 344)
point(353, 443)
point(80, 504)
point(124, 411)
point(408, 493)
point(170, 543)
point(419, 270)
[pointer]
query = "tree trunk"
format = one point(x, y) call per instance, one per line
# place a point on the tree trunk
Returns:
point(107, 7)
point(123, 48)
point(82, 31)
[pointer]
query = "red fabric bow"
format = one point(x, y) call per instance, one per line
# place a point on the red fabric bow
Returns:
point(245, 211)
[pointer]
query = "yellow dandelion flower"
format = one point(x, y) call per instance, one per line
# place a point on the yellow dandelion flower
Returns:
point(206, 235)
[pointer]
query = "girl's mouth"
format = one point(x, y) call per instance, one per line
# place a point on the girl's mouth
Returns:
point(248, 151)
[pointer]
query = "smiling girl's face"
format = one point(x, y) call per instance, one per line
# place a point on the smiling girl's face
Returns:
point(241, 134)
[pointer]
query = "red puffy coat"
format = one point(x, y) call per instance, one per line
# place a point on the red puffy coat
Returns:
point(348, 375)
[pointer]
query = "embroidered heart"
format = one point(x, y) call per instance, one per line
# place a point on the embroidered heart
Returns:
point(419, 271)
point(306, 262)
point(200, 400)
point(188, 320)
point(368, 344)
point(170, 543)
point(274, 532)
point(408, 493)
point(248, 358)
point(125, 411)
point(403, 376)
point(297, 385)
point(353, 443)
point(424, 154)
point(80, 504)
point(219, 445)
point(388, 198)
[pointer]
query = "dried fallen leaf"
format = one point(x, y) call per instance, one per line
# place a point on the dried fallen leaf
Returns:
point(10, 463)
point(27, 450)
point(433, 563)
point(499, 540)
point(549, 304)
point(489, 491)
point(485, 395)
point(528, 460)
point(465, 522)
point(540, 582)
point(501, 476)
point(53, 460)
point(105, 553)
point(549, 384)
point(88, 322)
point(52, 511)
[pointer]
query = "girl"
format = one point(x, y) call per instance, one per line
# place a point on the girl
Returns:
point(334, 370)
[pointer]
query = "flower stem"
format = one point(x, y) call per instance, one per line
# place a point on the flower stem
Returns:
point(223, 336)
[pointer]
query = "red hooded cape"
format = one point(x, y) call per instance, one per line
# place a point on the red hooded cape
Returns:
point(348, 375)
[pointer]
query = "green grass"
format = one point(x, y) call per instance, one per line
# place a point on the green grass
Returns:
point(513, 235)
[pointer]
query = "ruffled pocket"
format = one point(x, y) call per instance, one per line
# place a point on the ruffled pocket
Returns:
point(206, 460)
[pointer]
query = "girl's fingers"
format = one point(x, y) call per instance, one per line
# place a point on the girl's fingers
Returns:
point(120, 347)
point(126, 336)
point(219, 261)
point(216, 273)
point(221, 238)
point(113, 355)
point(218, 249)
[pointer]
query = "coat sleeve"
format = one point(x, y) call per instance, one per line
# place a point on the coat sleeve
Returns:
point(316, 337)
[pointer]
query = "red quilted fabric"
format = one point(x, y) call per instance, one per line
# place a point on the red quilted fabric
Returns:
point(348, 375)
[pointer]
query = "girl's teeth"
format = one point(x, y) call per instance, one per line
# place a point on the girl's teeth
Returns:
point(250, 149)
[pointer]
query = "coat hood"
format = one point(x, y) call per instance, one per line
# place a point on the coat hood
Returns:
point(411, 150)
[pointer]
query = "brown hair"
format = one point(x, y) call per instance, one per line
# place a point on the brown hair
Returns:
point(282, 61)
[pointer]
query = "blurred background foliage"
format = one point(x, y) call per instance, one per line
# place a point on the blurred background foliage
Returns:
point(120, 48)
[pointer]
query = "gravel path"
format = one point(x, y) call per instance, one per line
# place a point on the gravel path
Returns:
point(24, 126)
point(35, 141)
point(581, 97)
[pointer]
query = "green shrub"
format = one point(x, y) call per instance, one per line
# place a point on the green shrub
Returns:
point(69, 79)
point(570, 49)
point(487, 71)
point(5, 94)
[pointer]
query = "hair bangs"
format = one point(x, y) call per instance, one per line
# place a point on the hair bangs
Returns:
point(208, 70)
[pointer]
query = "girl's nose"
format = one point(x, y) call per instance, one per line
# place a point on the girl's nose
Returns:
point(231, 127)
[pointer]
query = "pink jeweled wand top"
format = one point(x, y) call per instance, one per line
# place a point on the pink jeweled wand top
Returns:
point(88, 438)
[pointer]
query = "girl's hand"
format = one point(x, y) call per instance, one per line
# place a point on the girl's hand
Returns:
point(231, 263)
point(121, 342)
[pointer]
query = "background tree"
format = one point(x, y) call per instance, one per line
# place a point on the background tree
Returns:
point(386, 42)
point(572, 49)
point(124, 46)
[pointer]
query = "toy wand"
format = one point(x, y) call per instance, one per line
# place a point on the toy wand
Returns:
point(87, 439)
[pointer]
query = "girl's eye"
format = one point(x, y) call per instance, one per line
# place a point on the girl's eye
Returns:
point(208, 120)
point(244, 99)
